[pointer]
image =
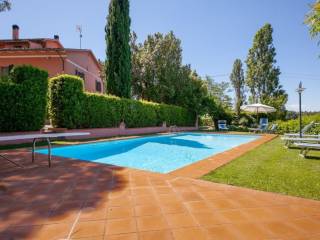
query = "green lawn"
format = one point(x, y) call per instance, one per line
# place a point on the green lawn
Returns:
point(273, 168)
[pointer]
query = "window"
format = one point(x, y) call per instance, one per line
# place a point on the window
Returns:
point(98, 86)
point(4, 71)
point(80, 74)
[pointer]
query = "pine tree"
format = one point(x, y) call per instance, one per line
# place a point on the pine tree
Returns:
point(238, 83)
point(262, 76)
point(118, 62)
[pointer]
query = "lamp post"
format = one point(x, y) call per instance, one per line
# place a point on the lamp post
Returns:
point(300, 89)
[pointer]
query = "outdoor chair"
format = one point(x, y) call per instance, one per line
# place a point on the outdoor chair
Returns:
point(293, 140)
point(273, 128)
point(263, 126)
point(306, 147)
point(222, 125)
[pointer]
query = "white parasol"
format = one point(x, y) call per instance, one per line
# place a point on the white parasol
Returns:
point(258, 108)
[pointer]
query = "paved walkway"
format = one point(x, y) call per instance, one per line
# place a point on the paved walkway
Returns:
point(82, 200)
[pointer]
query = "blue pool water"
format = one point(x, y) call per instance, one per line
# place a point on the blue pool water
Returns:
point(160, 154)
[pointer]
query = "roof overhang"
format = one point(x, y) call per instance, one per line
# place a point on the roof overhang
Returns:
point(32, 53)
point(87, 51)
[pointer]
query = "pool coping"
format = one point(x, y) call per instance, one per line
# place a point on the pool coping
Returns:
point(204, 166)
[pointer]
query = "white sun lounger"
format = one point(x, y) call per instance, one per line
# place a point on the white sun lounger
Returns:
point(291, 140)
point(35, 137)
point(303, 131)
point(306, 147)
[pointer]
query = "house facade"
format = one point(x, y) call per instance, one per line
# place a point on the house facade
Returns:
point(49, 54)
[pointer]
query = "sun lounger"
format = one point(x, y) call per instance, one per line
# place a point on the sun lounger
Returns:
point(273, 128)
point(306, 147)
point(291, 140)
point(35, 137)
point(303, 131)
point(222, 125)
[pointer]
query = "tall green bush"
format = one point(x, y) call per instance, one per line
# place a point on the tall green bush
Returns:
point(71, 107)
point(66, 111)
point(23, 99)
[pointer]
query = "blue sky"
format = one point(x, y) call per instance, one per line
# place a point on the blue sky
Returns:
point(213, 33)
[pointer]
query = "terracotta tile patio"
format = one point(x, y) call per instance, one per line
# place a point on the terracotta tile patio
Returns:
point(82, 200)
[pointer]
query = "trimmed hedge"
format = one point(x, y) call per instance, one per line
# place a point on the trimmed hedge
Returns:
point(23, 99)
point(71, 107)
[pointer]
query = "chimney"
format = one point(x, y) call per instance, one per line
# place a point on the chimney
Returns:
point(56, 37)
point(15, 32)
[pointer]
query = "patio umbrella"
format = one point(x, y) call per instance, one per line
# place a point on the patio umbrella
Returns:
point(258, 108)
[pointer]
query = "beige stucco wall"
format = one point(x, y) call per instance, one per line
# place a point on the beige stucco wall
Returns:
point(55, 65)
point(51, 64)
point(83, 62)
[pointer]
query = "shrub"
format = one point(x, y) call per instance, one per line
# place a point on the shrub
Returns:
point(23, 99)
point(217, 111)
point(293, 125)
point(71, 107)
point(247, 119)
point(66, 101)
point(206, 120)
point(101, 111)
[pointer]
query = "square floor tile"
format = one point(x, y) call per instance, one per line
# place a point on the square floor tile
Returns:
point(118, 226)
point(180, 220)
point(173, 208)
point(150, 223)
point(89, 229)
point(282, 229)
point(222, 232)
point(234, 216)
point(144, 199)
point(209, 219)
point(190, 234)
point(252, 231)
point(125, 236)
point(147, 210)
point(93, 213)
point(198, 206)
point(119, 212)
point(156, 235)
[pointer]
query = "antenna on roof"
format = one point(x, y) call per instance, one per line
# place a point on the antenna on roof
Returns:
point(79, 29)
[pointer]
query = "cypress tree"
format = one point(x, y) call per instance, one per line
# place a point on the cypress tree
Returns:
point(118, 62)
point(238, 83)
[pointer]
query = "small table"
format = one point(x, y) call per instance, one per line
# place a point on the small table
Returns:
point(35, 137)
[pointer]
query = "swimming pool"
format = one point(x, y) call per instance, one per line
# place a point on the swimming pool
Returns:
point(162, 154)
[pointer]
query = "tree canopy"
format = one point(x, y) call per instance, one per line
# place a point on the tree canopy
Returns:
point(5, 5)
point(118, 62)
point(313, 19)
point(262, 75)
point(158, 73)
point(219, 91)
point(157, 64)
